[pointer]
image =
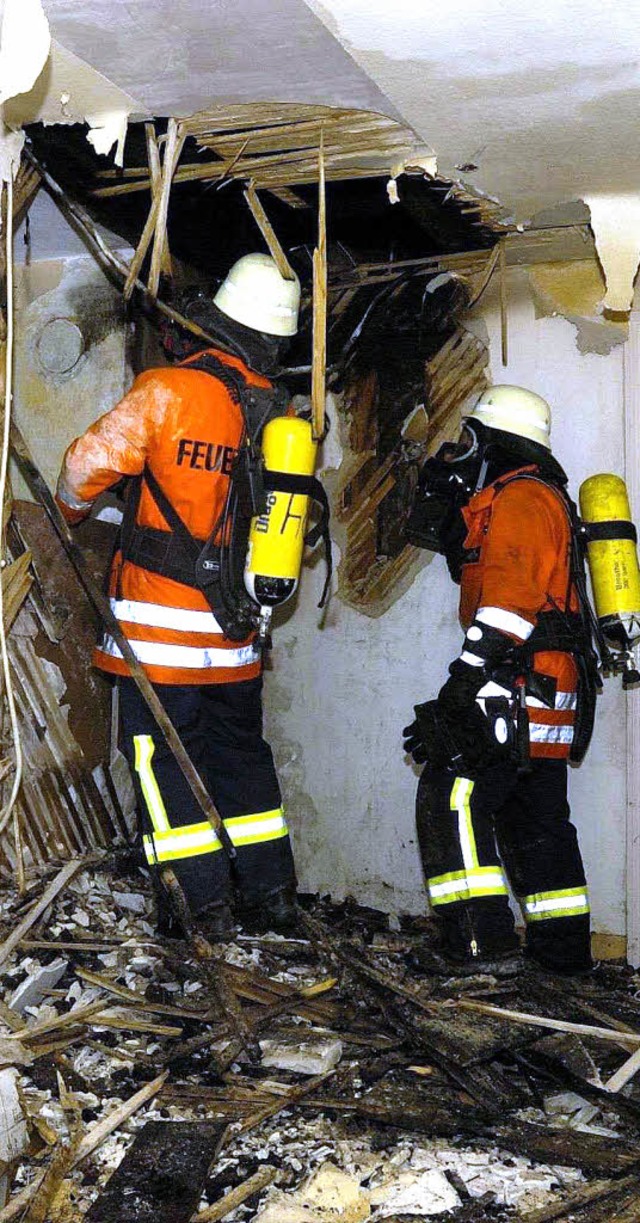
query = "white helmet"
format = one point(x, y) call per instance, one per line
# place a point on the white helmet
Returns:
point(255, 294)
point(515, 410)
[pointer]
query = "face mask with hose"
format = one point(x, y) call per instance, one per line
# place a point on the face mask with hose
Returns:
point(480, 717)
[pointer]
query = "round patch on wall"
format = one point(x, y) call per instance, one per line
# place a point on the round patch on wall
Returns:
point(59, 346)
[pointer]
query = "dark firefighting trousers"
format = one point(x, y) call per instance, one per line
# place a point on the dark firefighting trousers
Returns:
point(220, 725)
point(468, 830)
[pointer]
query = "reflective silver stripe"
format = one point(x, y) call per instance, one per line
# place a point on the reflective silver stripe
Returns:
point(493, 689)
point(64, 493)
point(252, 829)
point(540, 733)
point(506, 621)
point(157, 654)
point(155, 615)
point(564, 700)
point(163, 847)
point(479, 882)
point(557, 904)
point(194, 839)
point(472, 660)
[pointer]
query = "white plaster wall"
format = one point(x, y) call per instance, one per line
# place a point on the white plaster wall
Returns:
point(337, 697)
point(52, 409)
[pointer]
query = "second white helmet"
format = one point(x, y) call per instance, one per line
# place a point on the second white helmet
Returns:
point(515, 410)
point(255, 294)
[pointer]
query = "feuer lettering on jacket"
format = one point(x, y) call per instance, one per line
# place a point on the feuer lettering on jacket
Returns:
point(205, 456)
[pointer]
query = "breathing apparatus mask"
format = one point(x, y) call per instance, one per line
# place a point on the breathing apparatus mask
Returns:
point(458, 471)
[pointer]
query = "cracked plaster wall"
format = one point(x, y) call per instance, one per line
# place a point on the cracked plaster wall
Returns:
point(338, 696)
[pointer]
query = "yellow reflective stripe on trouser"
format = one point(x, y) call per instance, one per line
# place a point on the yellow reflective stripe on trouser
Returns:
point(474, 881)
point(565, 902)
point(257, 828)
point(167, 843)
point(460, 801)
point(466, 885)
point(144, 749)
point(185, 842)
point(195, 839)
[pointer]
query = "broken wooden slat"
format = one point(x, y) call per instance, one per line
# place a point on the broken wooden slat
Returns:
point(102, 1129)
point(155, 171)
point(504, 314)
point(587, 1196)
point(162, 1175)
point(235, 1197)
point(87, 1144)
point(632, 1040)
point(139, 1000)
point(575, 1149)
point(268, 233)
point(45, 1193)
point(127, 1021)
point(319, 360)
point(625, 1073)
point(16, 584)
point(56, 886)
point(172, 151)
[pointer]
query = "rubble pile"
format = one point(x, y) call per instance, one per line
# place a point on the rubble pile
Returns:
point(317, 1079)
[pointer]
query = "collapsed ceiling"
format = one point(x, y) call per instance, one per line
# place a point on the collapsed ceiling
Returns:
point(535, 108)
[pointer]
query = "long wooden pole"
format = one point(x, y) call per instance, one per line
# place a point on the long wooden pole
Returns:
point(109, 260)
point(102, 606)
point(319, 359)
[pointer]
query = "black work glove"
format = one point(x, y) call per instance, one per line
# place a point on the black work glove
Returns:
point(457, 697)
point(424, 739)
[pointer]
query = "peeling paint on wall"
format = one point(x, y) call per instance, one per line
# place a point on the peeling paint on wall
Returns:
point(615, 221)
point(575, 290)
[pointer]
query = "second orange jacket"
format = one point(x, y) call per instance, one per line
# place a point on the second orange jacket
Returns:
point(519, 535)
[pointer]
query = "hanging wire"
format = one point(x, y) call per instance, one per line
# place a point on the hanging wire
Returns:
point(8, 809)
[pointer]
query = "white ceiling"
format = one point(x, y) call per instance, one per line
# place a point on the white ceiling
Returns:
point(180, 56)
point(543, 98)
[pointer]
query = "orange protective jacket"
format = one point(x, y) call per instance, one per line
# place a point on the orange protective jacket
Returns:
point(519, 534)
point(185, 426)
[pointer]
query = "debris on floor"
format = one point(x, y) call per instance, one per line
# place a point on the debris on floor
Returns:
point(316, 1079)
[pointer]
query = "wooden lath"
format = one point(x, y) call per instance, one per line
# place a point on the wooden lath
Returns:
point(454, 374)
point(25, 188)
point(277, 146)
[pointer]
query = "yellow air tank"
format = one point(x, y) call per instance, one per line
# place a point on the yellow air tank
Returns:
point(612, 558)
point(276, 539)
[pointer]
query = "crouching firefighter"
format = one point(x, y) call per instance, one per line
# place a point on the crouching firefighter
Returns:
point(212, 538)
point(519, 702)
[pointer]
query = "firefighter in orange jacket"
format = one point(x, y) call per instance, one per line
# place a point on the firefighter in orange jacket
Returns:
point(177, 434)
point(518, 702)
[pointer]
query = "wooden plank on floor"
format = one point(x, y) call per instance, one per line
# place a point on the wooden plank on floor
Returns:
point(162, 1176)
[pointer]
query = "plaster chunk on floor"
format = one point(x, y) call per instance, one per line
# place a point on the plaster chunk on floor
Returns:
point(14, 1135)
point(329, 1196)
point(134, 902)
point(428, 1193)
point(312, 1055)
point(37, 984)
